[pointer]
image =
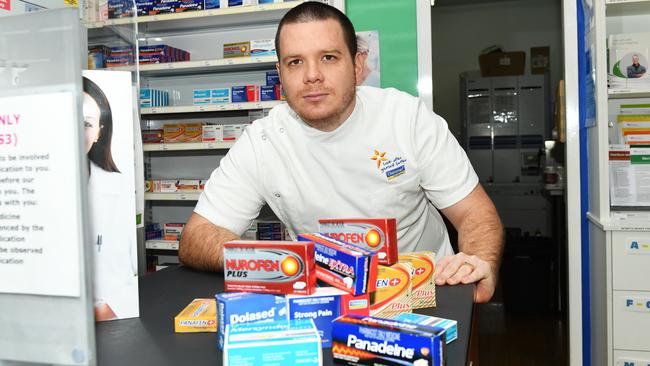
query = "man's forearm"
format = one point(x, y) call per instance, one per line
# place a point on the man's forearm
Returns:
point(481, 234)
point(201, 244)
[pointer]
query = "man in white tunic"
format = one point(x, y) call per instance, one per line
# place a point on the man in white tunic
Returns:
point(337, 150)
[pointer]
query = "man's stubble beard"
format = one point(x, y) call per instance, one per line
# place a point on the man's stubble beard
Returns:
point(333, 121)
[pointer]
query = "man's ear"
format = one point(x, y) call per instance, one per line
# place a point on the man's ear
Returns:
point(359, 61)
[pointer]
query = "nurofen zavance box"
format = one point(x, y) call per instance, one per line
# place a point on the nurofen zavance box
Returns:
point(325, 305)
point(623, 72)
point(449, 326)
point(275, 267)
point(241, 307)
point(422, 278)
point(294, 342)
point(199, 316)
point(342, 265)
point(376, 235)
point(393, 294)
point(375, 341)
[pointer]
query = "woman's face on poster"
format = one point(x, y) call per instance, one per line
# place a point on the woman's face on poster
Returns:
point(91, 121)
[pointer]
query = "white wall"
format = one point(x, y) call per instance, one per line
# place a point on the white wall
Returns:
point(460, 32)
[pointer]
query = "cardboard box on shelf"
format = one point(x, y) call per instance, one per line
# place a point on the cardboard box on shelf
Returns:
point(502, 63)
point(540, 59)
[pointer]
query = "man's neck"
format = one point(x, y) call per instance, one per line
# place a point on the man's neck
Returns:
point(332, 123)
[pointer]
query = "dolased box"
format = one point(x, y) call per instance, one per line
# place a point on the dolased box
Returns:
point(393, 294)
point(376, 235)
point(294, 342)
point(360, 340)
point(422, 278)
point(449, 326)
point(199, 316)
point(325, 305)
point(275, 267)
point(240, 307)
point(342, 265)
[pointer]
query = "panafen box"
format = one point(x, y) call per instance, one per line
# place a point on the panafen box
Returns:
point(342, 265)
point(325, 305)
point(393, 294)
point(294, 342)
point(374, 341)
point(275, 267)
point(422, 278)
point(241, 307)
point(199, 316)
point(449, 326)
point(376, 235)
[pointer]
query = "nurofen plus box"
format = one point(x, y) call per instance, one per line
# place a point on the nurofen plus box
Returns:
point(237, 49)
point(232, 132)
point(202, 96)
point(393, 294)
point(422, 278)
point(263, 47)
point(220, 96)
point(199, 316)
point(342, 265)
point(293, 342)
point(212, 133)
point(374, 341)
point(275, 267)
point(193, 132)
point(240, 307)
point(325, 305)
point(449, 326)
point(376, 235)
point(174, 133)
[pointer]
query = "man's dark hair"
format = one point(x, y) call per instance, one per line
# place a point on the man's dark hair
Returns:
point(314, 11)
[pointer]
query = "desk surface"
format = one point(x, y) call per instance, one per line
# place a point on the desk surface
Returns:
point(150, 339)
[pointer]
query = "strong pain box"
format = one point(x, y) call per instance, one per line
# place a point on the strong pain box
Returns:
point(275, 267)
point(422, 278)
point(376, 235)
point(199, 316)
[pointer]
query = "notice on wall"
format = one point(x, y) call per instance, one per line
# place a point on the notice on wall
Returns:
point(39, 195)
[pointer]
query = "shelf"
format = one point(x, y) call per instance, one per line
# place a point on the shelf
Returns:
point(211, 107)
point(627, 8)
point(628, 93)
point(162, 244)
point(203, 66)
point(176, 196)
point(213, 18)
point(182, 146)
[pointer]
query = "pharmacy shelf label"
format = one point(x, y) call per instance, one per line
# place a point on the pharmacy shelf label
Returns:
point(40, 233)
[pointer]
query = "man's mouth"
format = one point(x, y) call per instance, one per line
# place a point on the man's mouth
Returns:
point(315, 97)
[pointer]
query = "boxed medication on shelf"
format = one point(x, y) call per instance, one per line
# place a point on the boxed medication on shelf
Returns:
point(294, 342)
point(275, 267)
point(220, 96)
point(232, 132)
point(371, 341)
point(199, 316)
point(245, 94)
point(193, 132)
point(629, 57)
point(188, 5)
point(173, 231)
point(119, 9)
point(422, 278)
point(376, 235)
point(272, 78)
point(202, 96)
point(117, 61)
point(240, 307)
point(262, 47)
point(325, 305)
point(97, 56)
point(231, 3)
point(152, 136)
point(342, 265)
point(212, 133)
point(269, 93)
point(165, 186)
point(161, 54)
point(188, 184)
point(450, 327)
point(212, 4)
point(394, 291)
point(174, 133)
point(236, 49)
point(144, 6)
point(270, 230)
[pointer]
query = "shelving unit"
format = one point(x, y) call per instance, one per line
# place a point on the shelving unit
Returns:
point(202, 66)
point(176, 196)
point(189, 146)
point(619, 267)
point(210, 108)
point(160, 244)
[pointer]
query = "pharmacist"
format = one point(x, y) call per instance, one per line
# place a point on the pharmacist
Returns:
point(337, 150)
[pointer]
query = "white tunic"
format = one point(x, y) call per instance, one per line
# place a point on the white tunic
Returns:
point(391, 158)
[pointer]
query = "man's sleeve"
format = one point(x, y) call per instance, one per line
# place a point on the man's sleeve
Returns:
point(232, 198)
point(446, 174)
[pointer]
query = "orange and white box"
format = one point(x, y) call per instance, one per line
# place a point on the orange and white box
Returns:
point(173, 231)
point(193, 132)
point(188, 184)
point(212, 133)
point(165, 186)
point(394, 291)
point(199, 316)
point(174, 133)
point(422, 278)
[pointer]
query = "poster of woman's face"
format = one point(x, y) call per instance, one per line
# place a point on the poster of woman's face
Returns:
point(108, 142)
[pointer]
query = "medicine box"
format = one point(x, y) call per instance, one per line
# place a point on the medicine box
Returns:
point(152, 136)
point(294, 342)
point(230, 3)
point(272, 78)
point(220, 96)
point(202, 96)
point(212, 133)
point(174, 133)
point(193, 132)
point(449, 326)
point(97, 56)
point(378, 235)
point(422, 278)
point(199, 316)
point(173, 231)
point(394, 292)
point(269, 93)
point(237, 49)
point(262, 47)
point(232, 132)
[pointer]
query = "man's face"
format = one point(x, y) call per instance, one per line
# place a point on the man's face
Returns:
point(635, 59)
point(317, 72)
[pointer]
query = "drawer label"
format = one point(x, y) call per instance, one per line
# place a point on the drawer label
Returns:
point(636, 303)
point(631, 362)
point(635, 246)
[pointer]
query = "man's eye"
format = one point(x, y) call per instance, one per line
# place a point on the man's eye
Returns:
point(329, 57)
point(294, 62)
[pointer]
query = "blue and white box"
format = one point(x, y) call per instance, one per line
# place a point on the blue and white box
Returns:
point(270, 1)
point(239, 307)
point(230, 3)
point(146, 99)
point(272, 78)
point(220, 96)
point(263, 47)
point(212, 4)
point(449, 326)
point(202, 96)
point(293, 342)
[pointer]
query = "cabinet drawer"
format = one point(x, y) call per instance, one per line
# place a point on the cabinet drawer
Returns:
point(631, 318)
point(631, 261)
point(631, 358)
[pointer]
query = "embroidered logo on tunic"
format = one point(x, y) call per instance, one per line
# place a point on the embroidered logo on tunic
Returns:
point(391, 168)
